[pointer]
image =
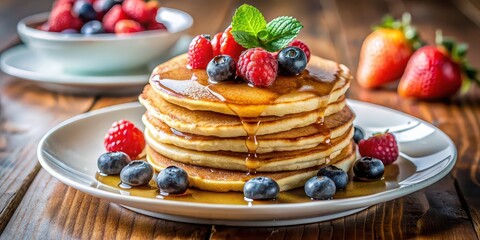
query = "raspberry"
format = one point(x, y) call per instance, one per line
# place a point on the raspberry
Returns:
point(382, 146)
point(229, 46)
point(301, 45)
point(61, 18)
point(111, 18)
point(200, 52)
point(137, 10)
point(258, 67)
point(123, 136)
point(127, 26)
point(216, 41)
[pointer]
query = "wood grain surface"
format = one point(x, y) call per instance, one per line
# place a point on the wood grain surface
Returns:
point(34, 205)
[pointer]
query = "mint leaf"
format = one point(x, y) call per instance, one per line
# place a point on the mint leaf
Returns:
point(246, 39)
point(248, 19)
point(281, 31)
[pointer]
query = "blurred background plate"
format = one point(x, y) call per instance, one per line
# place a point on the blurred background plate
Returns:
point(21, 62)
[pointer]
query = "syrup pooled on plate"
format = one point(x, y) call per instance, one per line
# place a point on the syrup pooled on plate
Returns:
point(394, 174)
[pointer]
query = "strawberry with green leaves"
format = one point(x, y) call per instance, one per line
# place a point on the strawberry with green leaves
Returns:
point(435, 72)
point(386, 51)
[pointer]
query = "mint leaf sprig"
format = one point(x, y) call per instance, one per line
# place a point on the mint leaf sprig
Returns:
point(250, 29)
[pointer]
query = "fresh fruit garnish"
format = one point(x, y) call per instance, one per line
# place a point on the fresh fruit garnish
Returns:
point(216, 42)
point(127, 26)
point(291, 61)
point(137, 10)
point(357, 134)
point(221, 68)
point(261, 188)
point(123, 136)
point(320, 188)
point(251, 30)
point(437, 71)
point(338, 176)
point(84, 10)
point(368, 169)
point(172, 180)
point(382, 146)
point(229, 46)
point(258, 67)
point(199, 52)
point(92, 27)
point(386, 51)
point(61, 18)
point(136, 173)
point(112, 163)
point(298, 43)
point(111, 18)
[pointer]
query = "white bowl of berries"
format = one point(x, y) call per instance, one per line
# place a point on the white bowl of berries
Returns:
point(107, 36)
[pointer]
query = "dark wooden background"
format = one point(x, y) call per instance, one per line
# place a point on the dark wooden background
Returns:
point(35, 205)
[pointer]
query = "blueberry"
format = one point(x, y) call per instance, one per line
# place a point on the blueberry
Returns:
point(92, 27)
point(291, 61)
point(338, 176)
point(84, 10)
point(172, 180)
point(136, 173)
point(368, 169)
point(112, 163)
point(358, 134)
point(320, 188)
point(221, 68)
point(261, 188)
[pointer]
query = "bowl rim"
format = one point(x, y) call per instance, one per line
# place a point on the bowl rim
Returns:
point(24, 28)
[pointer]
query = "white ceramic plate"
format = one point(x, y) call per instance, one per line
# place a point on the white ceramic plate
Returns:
point(70, 150)
point(23, 63)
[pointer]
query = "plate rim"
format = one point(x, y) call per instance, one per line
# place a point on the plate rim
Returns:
point(62, 78)
point(351, 202)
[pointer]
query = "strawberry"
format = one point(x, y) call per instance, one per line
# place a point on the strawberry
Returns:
point(127, 26)
point(381, 145)
point(154, 25)
point(436, 71)
point(200, 52)
point(111, 18)
point(137, 10)
point(229, 46)
point(152, 7)
point(386, 51)
point(61, 18)
point(123, 136)
point(216, 41)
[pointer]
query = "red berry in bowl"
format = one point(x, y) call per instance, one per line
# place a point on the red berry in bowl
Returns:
point(61, 18)
point(258, 67)
point(200, 52)
point(137, 10)
point(382, 146)
point(127, 26)
point(111, 18)
point(123, 136)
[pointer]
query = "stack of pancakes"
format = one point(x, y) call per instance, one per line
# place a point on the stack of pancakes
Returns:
point(224, 134)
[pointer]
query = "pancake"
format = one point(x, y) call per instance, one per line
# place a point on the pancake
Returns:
point(323, 82)
point(208, 123)
point(266, 162)
point(334, 126)
point(218, 180)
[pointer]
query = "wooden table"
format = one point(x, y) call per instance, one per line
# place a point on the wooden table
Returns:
point(35, 205)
